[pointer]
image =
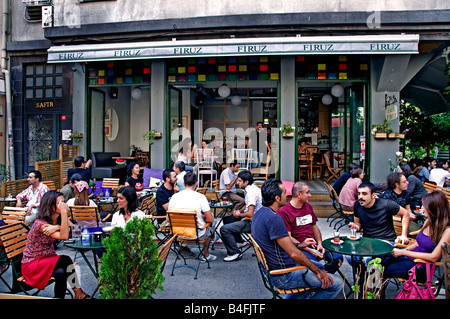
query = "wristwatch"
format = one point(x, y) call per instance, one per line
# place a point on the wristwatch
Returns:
point(297, 244)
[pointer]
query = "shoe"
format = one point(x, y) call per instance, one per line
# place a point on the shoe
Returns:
point(231, 258)
point(209, 258)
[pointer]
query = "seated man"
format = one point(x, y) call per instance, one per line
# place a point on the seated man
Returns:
point(228, 180)
point(269, 231)
point(241, 219)
point(190, 199)
point(300, 221)
point(67, 189)
point(82, 168)
point(33, 195)
point(165, 193)
point(180, 169)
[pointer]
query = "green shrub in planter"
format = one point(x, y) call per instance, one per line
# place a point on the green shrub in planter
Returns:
point(130, 267)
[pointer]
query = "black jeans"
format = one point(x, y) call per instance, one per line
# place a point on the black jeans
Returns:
point(63, 269)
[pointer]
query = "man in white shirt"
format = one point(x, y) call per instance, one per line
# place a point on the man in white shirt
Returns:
point(231, 230)
point(440, 174)
point(32, 195)
point(190, 199)
point(180, 169)
point(228, 180)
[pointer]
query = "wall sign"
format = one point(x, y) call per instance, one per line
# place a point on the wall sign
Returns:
point(374, 44)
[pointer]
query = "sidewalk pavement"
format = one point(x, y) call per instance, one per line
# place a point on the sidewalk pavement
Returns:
point(224, 280)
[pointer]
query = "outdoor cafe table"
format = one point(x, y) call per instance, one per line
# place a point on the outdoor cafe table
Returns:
point(363, 247)
point(223, 208)
point(82, 249)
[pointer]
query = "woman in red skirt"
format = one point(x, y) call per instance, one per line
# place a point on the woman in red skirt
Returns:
point(40, 261)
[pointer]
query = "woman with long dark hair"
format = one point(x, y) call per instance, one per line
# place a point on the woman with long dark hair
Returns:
point(415, 186)
point(134, 180)
point(435, 232)
point(128, 204)
point(40, 261)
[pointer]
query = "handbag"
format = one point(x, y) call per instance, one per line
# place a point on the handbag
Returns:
point(410, 288)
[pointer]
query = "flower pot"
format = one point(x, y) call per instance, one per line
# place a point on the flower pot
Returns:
point(380, 135)
point(396, 135)
point(288, 135)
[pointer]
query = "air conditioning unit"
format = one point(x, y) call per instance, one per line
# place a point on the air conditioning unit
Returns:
point(37, 2)
point(47, 16)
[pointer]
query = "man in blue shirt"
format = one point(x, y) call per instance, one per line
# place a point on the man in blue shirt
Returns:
point(269, 231)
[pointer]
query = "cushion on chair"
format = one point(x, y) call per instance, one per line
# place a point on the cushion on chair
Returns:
point(149, 173)
point(288, 186)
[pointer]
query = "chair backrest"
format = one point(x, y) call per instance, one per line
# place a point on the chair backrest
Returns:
point(305, 157)
point(204, 158)
point(327, 161)
point(50, 184)
point(85, 213)
point(51, 170)
point(397, 225)
point(14, 238)
point(259, 253)
point(429, 186)
point(112, 183)
point(148, 205)
point(242, 156)
point(67, 155)
point(12, 215)
point(164, 251)
point(216, 184)
point(183, 222)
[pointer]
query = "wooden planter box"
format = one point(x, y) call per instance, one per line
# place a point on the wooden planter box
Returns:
point(380, 135)
point(396, 135)
point(288, 135)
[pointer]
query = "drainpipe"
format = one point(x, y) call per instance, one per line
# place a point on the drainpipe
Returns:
point(9, 149)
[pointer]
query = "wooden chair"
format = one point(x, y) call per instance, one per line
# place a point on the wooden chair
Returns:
point(164, 252)
point(430, 186)
point(11, 215)
point(183, 222)
point(148, 205)
point(142, 158)
point(334, 172)
point(13, 188)
point(446, 264)
point(304, 165)
point(51, 170)
point(67, 155)
point(262, 172)
point(14, 238)
point(50, 184)
point(112, 184)
point(317, 163)
point(398, 231)
point(341, 216)
point(266, 273)
point(84, 213)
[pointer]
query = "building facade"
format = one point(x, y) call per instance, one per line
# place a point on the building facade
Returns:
point(209, 70)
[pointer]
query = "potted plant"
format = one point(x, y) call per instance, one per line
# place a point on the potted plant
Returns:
point(150, 136)
point(381, 130)
point(287, 130)
point(130, 268)
point(76, 136)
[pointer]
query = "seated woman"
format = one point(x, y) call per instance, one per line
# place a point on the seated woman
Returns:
point(435, 232)
point(415, 186)
point(81, 191)
point(40, 261)
point(187, 153)
point(349, 192)
point(398, 192)
point(128, 207)
point(134, 180)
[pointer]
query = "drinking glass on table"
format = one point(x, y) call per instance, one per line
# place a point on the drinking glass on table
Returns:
point(336, 237)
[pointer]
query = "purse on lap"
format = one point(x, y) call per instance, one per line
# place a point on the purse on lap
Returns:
point(410, 288)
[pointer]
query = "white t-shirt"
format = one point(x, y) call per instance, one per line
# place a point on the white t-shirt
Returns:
point(119, 221)
point(189, 199)
point(226, 178)
point(253, 197)
point(439, 175)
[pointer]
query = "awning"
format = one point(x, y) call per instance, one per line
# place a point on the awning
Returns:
point(426, 89)
point(364, 44)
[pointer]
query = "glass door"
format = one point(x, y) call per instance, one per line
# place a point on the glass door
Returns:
point(96, 122)
point(177, 133)
point(356, 106)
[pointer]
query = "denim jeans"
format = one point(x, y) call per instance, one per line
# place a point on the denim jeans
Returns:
point(304, 278)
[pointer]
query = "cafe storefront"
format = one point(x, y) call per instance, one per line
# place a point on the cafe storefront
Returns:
point(328, 88)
